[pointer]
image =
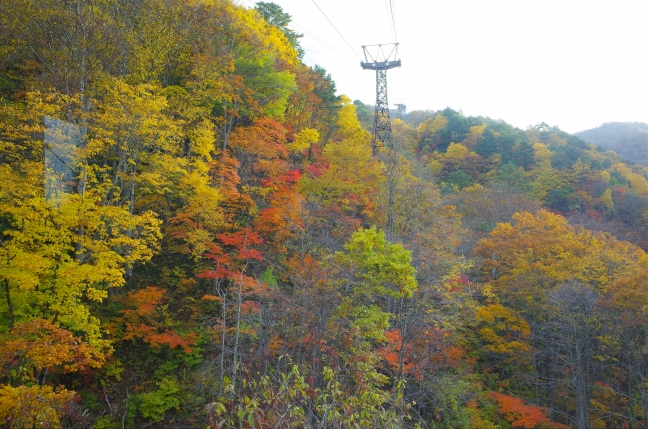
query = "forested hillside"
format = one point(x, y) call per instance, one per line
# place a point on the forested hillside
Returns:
point(195, 233)
point(594, 189)
point(628, 139)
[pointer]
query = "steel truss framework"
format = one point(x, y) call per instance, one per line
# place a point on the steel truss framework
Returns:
point(381, 61)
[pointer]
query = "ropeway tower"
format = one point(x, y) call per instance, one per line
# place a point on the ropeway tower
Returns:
point(381, 58)
point(401, 110)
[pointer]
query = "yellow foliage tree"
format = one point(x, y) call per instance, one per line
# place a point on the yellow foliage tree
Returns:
point(605, 176)
point(430, 126)
point(542, 152)
point(638, 183)
point(525, 259)
point(304, 139)
point(457, 151)
point(26, 407)
point(353, 174)
point(476, 131)
point(606, 199)
point(503, 330)
point(66, 242)
point(546, 180)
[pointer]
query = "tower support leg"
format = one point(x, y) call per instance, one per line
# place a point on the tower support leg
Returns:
point(382, 128)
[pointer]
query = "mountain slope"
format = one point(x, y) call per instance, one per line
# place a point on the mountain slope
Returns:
point(628, 139)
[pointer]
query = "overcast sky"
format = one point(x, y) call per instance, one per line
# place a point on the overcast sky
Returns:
point(571, 63)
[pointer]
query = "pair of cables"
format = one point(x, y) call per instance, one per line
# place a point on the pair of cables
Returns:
point(389, 4)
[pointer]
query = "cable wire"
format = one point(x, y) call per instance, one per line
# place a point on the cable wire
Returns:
point(314, 37)
point(390, 21)
point(338, 31)
point(393, 15)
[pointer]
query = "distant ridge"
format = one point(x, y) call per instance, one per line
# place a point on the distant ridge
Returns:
point(628, 139)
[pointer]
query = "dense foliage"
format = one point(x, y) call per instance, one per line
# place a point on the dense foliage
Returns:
point(194, 233)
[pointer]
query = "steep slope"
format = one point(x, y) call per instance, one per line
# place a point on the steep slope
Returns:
point(196, 233)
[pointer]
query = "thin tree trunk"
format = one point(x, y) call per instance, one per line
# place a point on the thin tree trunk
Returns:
point(237, 335)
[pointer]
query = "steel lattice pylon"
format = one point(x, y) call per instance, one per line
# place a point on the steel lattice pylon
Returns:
point(402, 109)
point(381, 62)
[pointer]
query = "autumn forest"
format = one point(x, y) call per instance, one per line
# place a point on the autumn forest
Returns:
point(196, 233)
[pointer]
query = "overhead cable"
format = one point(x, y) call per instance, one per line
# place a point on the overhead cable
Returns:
point(314, 37)
point(393, 16)
point(338, 31)
point(389, 20)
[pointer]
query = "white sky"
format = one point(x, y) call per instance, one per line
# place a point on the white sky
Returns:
point(571, 63)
